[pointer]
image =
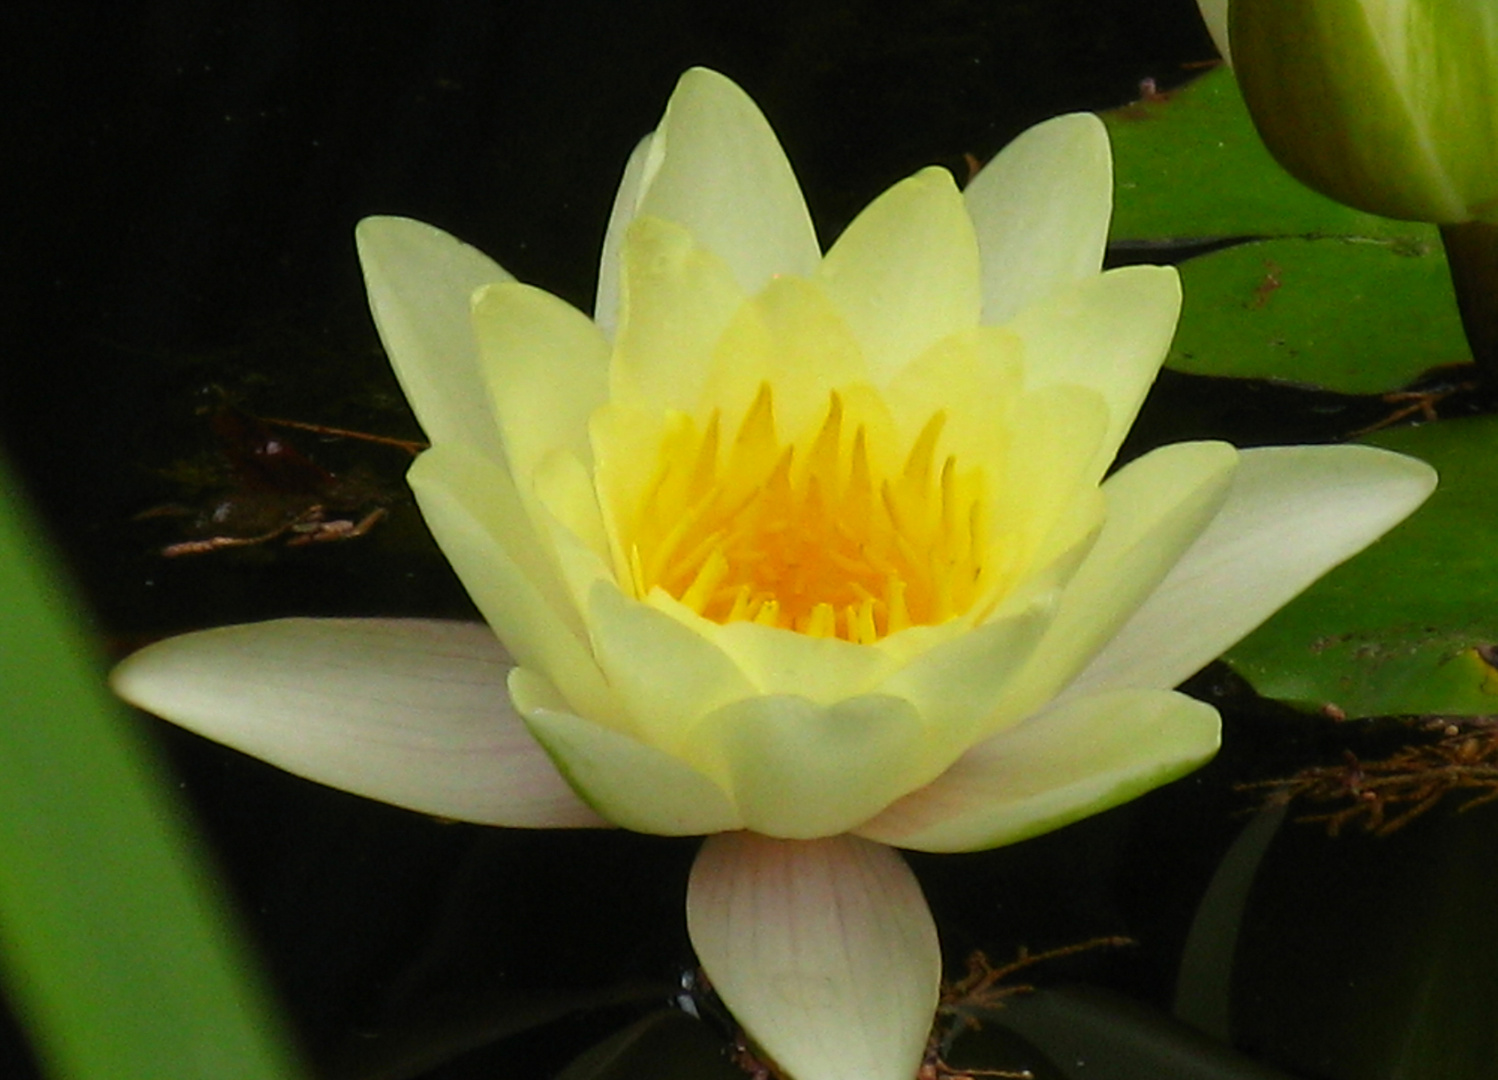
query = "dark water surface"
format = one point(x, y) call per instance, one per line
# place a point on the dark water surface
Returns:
point(191, 176)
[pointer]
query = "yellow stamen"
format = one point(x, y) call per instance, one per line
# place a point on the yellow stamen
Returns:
point(802, 535)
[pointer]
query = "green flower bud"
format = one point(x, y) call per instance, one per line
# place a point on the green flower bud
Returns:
point(1390, 106)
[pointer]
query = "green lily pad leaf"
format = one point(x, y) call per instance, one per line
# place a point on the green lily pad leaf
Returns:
point(1355, 316)
point(1408, 626)
point(1328, 296)
point(1367, 958)
point(1190, 165)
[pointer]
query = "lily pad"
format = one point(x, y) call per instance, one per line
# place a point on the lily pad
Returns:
point(1409, 626)
point(1361, 316)
point(1189, 165)
point(1313, 292)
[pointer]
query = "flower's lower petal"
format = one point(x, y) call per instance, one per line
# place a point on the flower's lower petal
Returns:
point(1157, 506)
point(546, 367)
point(409, 712)
point(1076, 759)
point(800, 770)
point(420, 281)
point(1291, 514)
point(904, 274)
point(716, 168)
point(959, 683)
point(474, 511)
point(634, 785)
point(1040, 210)
point(1110, 333)
point(824, 950)
point(665, 673)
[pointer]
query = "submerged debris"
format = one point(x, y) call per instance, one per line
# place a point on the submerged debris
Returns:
point(1385, 795)
point(267, 489)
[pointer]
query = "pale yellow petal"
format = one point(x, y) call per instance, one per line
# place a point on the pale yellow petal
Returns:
point(825, 951)
point(1048, 478)
point(793, 337)
point(420, 280)
point(799, 770)
point(573, 523)
point(475, 513)
point(1157, 506)
point(1041, 210)
point(1109, 333)
point(632, 784)
point(626, 450)
point(546, 367)
point(626, 201)
point(1070, 762)
point(975, 378)
point(716, 168)
point(676, 300)
point(667, 675)
point(905, 273)
point(958, 686)
point(779, 661)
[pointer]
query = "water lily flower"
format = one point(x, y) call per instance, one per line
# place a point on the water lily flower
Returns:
point(1386, 105)
point(810, 553)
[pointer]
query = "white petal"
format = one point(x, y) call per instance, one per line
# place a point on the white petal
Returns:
point(1292, 514)
point(1109, 332)
point(801, 770)
point(406, 711)
point(905, 272)
point(1215, 15)
point(479, 520)
point(546, 368)
point(1041, 210)
point(716, 168)
point(1083, 756)
point(631, 783)
point(606, 303)
point(665, 674)
point(1158, 505)
point(824, 950)
point(420, 280)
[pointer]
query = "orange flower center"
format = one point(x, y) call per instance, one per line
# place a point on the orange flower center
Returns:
point(802, 535)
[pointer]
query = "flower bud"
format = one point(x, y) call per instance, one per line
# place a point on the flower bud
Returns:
point(1390, 106)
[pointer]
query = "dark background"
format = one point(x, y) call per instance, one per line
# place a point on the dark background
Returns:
point(185, 180)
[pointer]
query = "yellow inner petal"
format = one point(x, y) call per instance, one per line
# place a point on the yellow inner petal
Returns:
point(806, 535)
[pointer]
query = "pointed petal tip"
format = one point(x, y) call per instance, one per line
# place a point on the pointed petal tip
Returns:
point(408, 712)
point(1292, 514)
point(1041, 210)
point(1080, 757)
